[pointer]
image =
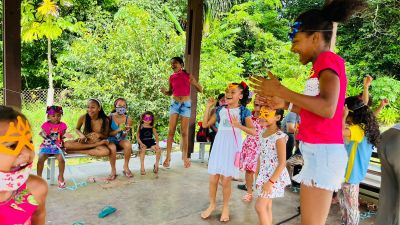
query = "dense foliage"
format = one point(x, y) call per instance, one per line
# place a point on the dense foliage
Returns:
point(123, 47)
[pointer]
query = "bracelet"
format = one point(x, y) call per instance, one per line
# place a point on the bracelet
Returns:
point(269, 180)
point(290, 107)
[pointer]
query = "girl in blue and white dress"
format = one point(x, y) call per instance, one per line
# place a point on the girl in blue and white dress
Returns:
point(233, 118)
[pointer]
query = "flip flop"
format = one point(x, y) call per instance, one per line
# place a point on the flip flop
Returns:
point(128, 174)
point(155, 170)
point(112, 177)
point(61, 184)
point(107, 211)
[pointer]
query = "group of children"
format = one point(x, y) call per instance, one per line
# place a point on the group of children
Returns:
point(328, 121)
point(102, 135)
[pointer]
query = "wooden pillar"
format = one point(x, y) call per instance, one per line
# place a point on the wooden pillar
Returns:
point(12, 52)
point(192, 57)
point(333, 39)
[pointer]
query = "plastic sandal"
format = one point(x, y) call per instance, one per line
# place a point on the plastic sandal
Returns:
point(155, 170)
point(247, 197)
point(61, 184)
point(107, 211)
point(112, 177)
point(128, 174)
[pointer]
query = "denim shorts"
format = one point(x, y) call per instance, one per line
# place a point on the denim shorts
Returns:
point(181, 108)
point(324, 165)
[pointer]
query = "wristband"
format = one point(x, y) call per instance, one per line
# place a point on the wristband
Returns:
point(271, 181)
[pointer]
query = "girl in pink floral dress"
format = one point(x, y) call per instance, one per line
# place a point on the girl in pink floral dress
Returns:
point(273, 176)
point(249, 156)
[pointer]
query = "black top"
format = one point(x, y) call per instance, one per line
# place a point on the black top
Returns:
point(146, 134)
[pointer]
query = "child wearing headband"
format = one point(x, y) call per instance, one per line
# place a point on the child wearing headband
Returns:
point(320, 106)
point(361, 133)
point(147, 138)
point(232, 118)
point(53, 131)
point(273, 176)
point(22, 196)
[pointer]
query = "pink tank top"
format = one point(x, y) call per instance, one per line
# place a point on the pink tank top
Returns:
point(180, 82)
point(19, 209)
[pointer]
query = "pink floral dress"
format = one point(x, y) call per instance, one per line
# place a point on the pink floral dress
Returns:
point(268, 164)
point(251, 149)
point(19, 209)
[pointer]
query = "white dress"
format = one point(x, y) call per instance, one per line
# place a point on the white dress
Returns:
point(268, 164)
point(224, 149)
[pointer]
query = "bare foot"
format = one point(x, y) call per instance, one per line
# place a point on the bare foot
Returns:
point(187, 163)
point(167, 162)
point(224, 215)
point(206, 213)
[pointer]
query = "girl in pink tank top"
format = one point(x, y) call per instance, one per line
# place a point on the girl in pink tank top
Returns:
point(179, 89)
point(22, 196)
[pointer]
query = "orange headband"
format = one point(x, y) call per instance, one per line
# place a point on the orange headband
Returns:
point(232, 86)
point(266, 113)
point(21, 134)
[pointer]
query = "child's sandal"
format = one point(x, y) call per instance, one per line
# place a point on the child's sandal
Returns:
point(61, 184)
point(247, 197)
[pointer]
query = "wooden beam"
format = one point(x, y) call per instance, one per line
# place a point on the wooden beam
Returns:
point(12, 52)
point(192, 57)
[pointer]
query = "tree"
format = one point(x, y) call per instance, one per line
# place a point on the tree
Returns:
point(45, 22)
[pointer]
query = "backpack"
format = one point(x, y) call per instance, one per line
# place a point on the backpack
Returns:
point(244, 112)
point(202, 133)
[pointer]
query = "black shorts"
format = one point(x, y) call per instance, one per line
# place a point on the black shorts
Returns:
point(149, 143)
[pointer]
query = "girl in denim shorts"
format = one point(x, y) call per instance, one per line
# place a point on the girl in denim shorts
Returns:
point(320, 107)
point(179, 89)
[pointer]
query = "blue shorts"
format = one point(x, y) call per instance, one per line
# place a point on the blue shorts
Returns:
point(181, 108)
point(324, 165)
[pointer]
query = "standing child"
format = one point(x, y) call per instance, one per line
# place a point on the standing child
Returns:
point(53, 131)
point(232, 119)
point(320, 107)
point(249, 156)
point(273, 176)
point(361, 135)
point(179, 88)
point(145, 137)
point(22, 196)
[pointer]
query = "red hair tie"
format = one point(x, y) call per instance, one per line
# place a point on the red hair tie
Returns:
point(243, 84)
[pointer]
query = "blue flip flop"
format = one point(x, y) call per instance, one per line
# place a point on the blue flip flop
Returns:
point(107, 211)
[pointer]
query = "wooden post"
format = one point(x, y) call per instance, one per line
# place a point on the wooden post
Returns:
point(333, 39)
point(192, 58)
point(12, 52)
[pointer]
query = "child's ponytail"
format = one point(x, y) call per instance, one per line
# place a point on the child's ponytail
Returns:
point(341, 10)
point(245, 92)
point(321, 20)
point(362, 115)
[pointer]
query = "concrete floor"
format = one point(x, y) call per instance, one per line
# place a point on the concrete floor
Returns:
point(177, 196)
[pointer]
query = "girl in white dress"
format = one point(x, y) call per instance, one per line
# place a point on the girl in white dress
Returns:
point(273, 176)
point(232, 118)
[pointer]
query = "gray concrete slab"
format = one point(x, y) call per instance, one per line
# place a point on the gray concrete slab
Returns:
point(177, 196)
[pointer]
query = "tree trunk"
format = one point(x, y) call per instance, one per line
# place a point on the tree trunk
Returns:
point(50, 91)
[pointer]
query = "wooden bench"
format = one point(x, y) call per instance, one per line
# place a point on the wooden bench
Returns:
point(51, 161)
point(370, 186)
point(202, 149)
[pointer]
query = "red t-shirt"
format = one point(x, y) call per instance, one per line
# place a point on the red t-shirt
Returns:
point(315, 129)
